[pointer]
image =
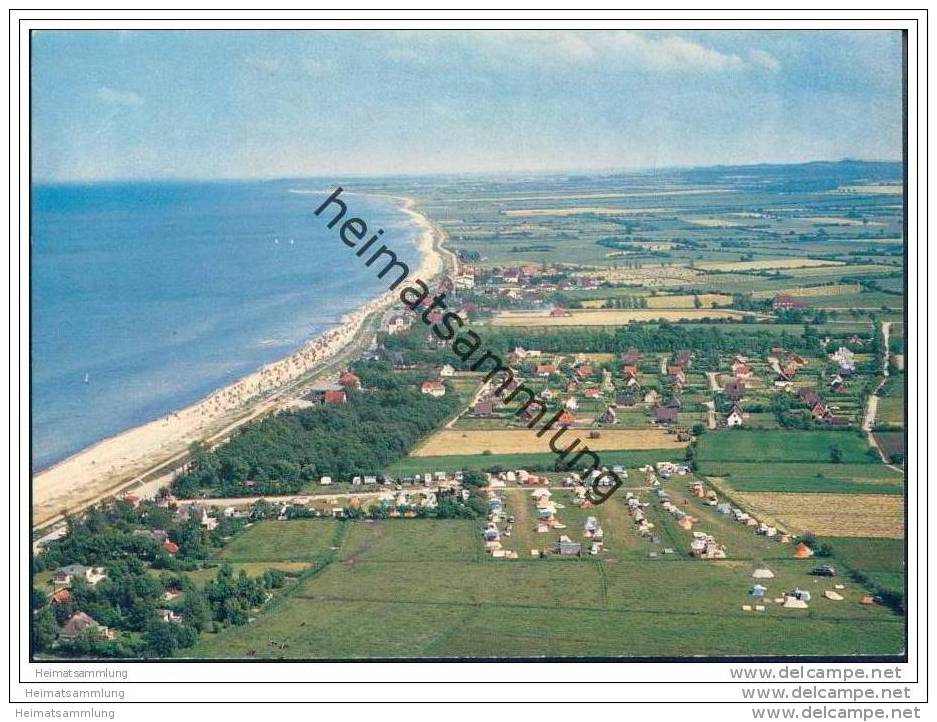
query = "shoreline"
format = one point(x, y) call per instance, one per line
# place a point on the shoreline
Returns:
point(128, 458)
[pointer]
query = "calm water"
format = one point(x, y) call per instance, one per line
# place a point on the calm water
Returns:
point(161, 293)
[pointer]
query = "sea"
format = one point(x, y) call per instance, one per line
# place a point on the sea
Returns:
point(146, 297)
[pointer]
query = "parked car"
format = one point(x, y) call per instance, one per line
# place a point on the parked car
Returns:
point(825, 571)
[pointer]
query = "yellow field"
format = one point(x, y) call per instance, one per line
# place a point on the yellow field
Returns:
point(714, 222)
point(839, 221)
point(883, 188)
point(836, 289)
point(595, 303)
point(762, 265)
point(856, 515)
point(499, 441)
point(592, 210)
point(616, 317)
point(686, 301)
point(656, 275)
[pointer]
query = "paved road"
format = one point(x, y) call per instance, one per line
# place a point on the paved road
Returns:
point(871, 409)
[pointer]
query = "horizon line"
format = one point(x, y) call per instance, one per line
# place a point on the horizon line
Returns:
point(612, 170)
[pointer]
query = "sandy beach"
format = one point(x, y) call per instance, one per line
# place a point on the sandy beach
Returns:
point(155, 449)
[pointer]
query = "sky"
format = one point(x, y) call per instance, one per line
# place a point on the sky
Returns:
point(224, 105)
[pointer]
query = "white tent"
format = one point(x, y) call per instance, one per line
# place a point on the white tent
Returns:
point(835, 596)
point(762, 574)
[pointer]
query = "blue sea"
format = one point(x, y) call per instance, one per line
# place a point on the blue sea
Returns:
point(159, 293)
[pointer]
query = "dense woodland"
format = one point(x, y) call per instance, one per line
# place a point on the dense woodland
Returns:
point(378, 426)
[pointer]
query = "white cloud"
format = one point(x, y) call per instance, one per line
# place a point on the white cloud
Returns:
point(622, 48)
point(118, 97)
point(762, 59)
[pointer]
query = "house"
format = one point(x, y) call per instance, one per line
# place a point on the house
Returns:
point(326, 394)
point(734, 390)
point(809, 396)
point(785, 302)
point(64, 576)
point(81, 626)
point(447, 371)
point(652, 397)
point(167, 615)
point(844, 358)
point(609, 416)
point(735, 416)
point(819, 410)
point(61, 596)
point(571, 403)
point(544, 370)
point(584, 371)
point(335, 397)
point(349, 380)
point(559, 313)
point(484, 407)
point(398, 324)
point(742, 371)
point(631, 357)
point(629, 372)
point(566, 418)
point(194, 511)
point(591, 393)
point(782, 380)
point(677, 374)
point(666, 415)
point(433, 388)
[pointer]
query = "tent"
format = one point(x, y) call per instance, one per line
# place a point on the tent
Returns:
point(802, 551)
point(762, 574)
point(758, 590)
point(801, 594)
point(795, 603)
point(835, 596)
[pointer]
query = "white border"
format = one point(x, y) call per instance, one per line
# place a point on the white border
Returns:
point(382, 681)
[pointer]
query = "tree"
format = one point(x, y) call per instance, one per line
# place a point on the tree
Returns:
point(43, 629)
point(159, 639)
point(836, 454)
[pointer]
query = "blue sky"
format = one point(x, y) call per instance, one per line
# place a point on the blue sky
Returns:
point(115, 105)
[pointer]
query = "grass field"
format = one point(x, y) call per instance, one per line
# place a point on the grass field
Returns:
point(806, 477)
point(400, 604)
point(297, 540)
point(782, 446)
point(468, 442)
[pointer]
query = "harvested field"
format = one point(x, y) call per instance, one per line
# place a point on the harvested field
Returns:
point(835, 289)
point(764, 265)
point(447, 441)
point(714, 222)
point(848, 515)
point(688, 300)
point(596, 317)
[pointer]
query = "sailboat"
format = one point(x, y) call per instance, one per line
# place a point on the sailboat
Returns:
point(87, 379)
